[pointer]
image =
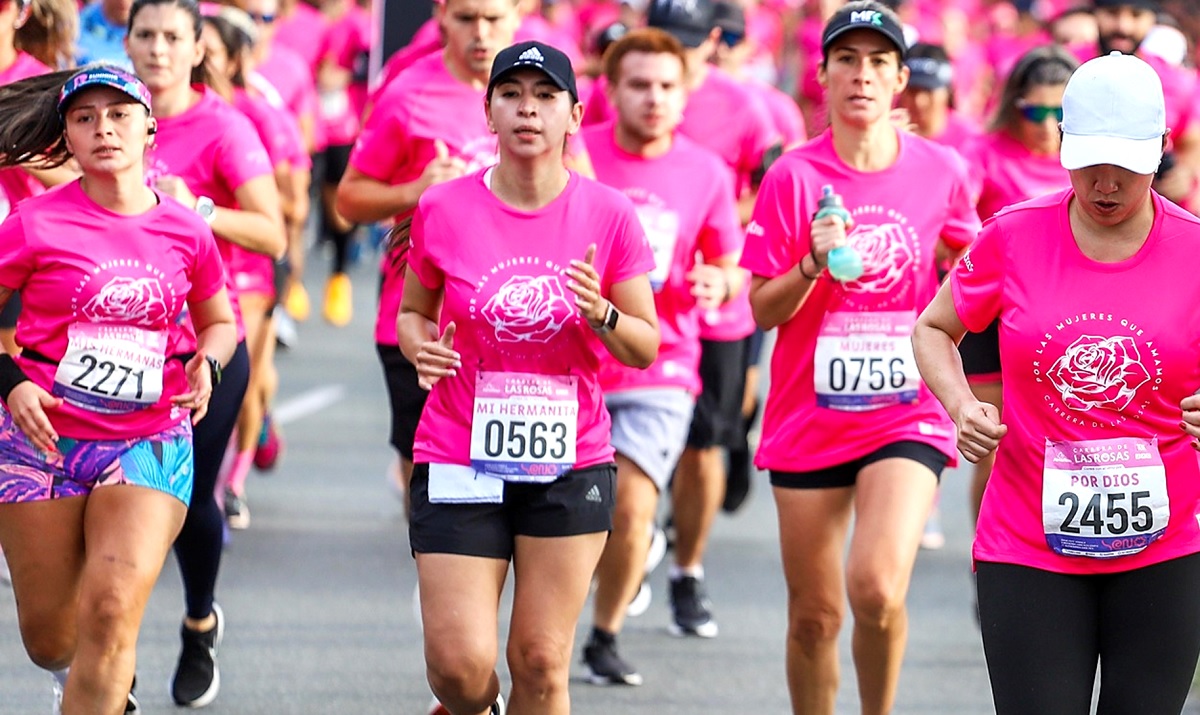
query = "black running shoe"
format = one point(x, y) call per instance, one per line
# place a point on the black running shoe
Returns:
point(131, 702)
point(197, 678)
point(690, 609)
point(604, 665)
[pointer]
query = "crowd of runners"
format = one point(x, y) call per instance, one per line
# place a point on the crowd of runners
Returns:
point(964, 229)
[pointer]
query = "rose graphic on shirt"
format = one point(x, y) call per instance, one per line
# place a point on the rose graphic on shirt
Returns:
point(886, 254)
point(528, 309)
point(1099, 373)
point(133, 301)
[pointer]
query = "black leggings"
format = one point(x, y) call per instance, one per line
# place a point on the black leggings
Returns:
point(1043, 633)
point(198, 547)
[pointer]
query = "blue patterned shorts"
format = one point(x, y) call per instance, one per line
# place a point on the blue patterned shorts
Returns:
point(162, 461)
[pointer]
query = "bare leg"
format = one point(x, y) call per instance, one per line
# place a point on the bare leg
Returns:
point(623, 563)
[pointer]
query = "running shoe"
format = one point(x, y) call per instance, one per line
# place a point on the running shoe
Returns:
point(641, 601)
point(604, 665)
point(933, 538)
point(237, 512)
point(658, 549)
point(270, 446)
point(131, 702)
point(197, 678)
point(737, 480)
point(297, 303)
point(339, 303)
point(5, 576)
point(286, 334)
point(57, 695)
point(690, 609)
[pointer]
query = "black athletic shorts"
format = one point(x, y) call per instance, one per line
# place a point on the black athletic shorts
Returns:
point(981, 351)
point(337, 159)
point(718, 414)
point(579, 502)
point(405, 396)
point(846, 474)
point(12, 309)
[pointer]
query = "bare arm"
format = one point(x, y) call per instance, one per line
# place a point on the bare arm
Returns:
point(775, 300)
point(258, 225)
point(935, 346)
point(635, 339)
point(433, 355)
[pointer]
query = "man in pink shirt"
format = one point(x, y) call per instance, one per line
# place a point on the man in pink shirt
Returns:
point(724, 116)
point(1123, 25)
point(427, 127)
point(640, 154)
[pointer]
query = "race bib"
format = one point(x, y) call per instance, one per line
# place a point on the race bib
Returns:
point(864, 361)
point(113, 369)
point(1104, 498)
point(662, 232)
point(524, 426)
point(335, 103)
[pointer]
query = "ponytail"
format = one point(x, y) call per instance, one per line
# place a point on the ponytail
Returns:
point(30, 128)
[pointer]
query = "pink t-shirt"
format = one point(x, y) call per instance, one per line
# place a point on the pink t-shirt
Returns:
point(215, 150)
point(265, 123)
point(507, 296)
point(292, 79)
point(724, 116)
point(425, 42)
point(596, 109)
point(1095, 361)
point(15, 184)
point(535, 27)
point(104, 295)
point(1005, 172)
point(306, 32)
point(680, 217)
point(398, 141)
point(852, 339)
point(785, 113)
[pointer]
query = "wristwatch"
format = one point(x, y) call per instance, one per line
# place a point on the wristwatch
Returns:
point(610, 321)
point(214, 368)
point(206, 208)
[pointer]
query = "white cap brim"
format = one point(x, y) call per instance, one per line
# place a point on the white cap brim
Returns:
point(1141, 156)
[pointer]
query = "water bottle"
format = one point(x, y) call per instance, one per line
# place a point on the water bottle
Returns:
point(844, 262)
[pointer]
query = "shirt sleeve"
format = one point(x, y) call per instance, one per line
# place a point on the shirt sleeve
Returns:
point(962, 218)
point(16, 257)
point(630, 255)
point(420, 258)
point(383, 147)
point(976, 282)
point(242, 156)
point(774, 244)
point(759, 136)
point(208, 273)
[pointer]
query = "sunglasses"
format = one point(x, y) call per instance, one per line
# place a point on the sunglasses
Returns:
point(1038, 113)
point(264, 18)
point(732, 39)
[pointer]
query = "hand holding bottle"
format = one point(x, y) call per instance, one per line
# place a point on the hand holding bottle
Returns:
point(829, 227)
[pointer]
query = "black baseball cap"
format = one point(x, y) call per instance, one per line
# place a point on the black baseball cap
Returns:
point(928, 73)
point(864, 16)
point(534, 55)
point(730, 17)
point(1151, 5)
point(690, 21)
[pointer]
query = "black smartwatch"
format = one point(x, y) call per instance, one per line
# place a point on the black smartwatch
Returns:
point(610, 321)
point(214, 367)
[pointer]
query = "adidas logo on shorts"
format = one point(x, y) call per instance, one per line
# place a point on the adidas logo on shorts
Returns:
point(593, 494)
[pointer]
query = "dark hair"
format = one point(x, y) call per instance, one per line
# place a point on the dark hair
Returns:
point(30, 128)
point(236, 43)
point(49, 33)
point(398, 235)
point(200, 73)
point(1045, 66)
point(649, 40)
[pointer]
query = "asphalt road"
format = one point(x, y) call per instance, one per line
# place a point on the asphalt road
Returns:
point(318, 592)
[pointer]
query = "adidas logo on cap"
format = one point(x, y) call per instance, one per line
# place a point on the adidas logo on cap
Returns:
point(533, 54)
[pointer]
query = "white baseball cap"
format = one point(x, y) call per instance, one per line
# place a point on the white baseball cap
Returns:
point(1113, 113)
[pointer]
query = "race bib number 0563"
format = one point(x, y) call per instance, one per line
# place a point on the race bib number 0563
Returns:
point(524, 425)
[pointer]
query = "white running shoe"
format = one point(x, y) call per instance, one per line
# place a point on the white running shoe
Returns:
point(641, 601)
point(5, 576)
point(658, 549)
